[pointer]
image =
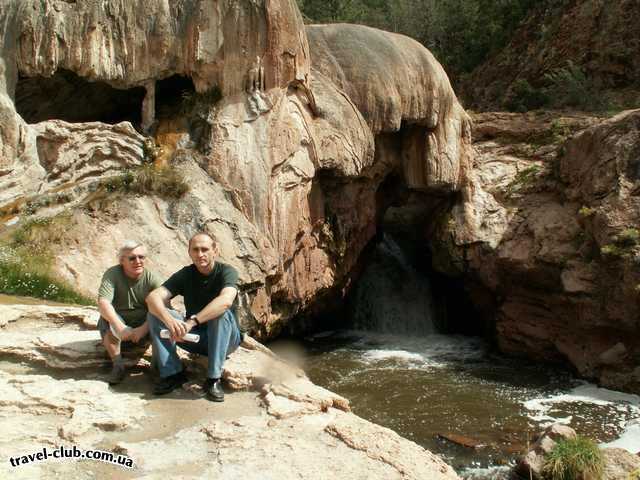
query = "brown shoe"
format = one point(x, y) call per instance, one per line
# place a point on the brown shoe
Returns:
point(117, 375)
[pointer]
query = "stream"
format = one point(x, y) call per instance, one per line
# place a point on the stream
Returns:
point(451, 394)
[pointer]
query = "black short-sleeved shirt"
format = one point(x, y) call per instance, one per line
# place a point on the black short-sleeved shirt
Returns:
point(197, 289)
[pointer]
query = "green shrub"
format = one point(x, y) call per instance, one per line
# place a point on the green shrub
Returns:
point(586, 211)
point(524, 177)
point(18, 278)
point(524, 97)
point(570, 86)
point(148, 180)
point(574, 459)
point(26, 261)
point(613, 251)
point(629, 237)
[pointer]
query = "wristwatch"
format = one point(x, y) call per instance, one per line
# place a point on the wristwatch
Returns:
point(195, 319)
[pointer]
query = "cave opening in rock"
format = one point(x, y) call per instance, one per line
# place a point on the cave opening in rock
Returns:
point(394, 287)
point(69, 97)
point(398, 289)
point(172, 96)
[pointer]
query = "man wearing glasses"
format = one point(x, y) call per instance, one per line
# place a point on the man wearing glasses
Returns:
point(121, 302)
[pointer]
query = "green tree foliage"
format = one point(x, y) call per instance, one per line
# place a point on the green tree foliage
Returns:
point(460, 33)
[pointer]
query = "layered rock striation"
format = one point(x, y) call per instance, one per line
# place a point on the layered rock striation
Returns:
point(284, 140)
point(548, 242)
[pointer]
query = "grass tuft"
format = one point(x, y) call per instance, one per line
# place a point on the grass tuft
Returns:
point(573, 459)
point(26, 262)
point(148, 180)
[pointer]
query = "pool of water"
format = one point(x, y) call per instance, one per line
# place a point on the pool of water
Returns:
point(436, 387)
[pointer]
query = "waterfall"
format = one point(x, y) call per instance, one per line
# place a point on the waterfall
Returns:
point(392, 296)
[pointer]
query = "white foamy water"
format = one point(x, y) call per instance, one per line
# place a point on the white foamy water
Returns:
point(397, 354)
point(490, 473)
point(485, 395)
point(627, 405)
point(630, 438)
point(430, 351)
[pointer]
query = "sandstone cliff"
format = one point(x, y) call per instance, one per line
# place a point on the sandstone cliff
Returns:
point(548, 241)
point(284, 161)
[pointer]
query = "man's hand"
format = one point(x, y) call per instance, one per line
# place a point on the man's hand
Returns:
point(178, 329)
point(137, 334)
point(126, 334)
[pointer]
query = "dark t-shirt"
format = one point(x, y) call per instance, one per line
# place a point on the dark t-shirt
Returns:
point(197, 289)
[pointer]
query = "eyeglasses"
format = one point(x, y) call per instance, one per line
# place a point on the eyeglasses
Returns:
point(133, 258)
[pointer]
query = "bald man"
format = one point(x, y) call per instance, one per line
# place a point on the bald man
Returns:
point(209, 288)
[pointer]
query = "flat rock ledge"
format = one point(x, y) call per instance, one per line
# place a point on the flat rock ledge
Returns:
point(275, 423)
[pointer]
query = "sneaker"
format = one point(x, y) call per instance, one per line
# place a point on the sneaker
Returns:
point(213, 389)
point(170, 383)
point(117, 375)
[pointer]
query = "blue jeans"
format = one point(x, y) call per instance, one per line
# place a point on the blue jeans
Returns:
point(218, 338)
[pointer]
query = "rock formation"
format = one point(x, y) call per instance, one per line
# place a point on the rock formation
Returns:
point(292, 427)
point(548, 241)
point(284, 158)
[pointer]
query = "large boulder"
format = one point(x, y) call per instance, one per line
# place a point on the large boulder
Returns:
point(397, 84)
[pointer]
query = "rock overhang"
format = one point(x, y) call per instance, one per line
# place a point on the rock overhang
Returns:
point(128, 44)
point(309, 143)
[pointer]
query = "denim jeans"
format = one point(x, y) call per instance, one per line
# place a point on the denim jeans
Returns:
point(218, 338)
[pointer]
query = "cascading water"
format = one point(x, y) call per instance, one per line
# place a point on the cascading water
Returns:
point(392, 296)
point(397, 371)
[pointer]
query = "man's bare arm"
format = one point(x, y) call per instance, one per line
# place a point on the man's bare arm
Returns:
point(109, 314)
point(218, 305)
point(157, 302)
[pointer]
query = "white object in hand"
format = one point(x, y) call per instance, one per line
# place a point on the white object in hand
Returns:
point(189, 337)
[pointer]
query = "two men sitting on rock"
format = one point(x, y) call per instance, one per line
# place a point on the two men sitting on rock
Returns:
point(209, 288)
point(121, 303)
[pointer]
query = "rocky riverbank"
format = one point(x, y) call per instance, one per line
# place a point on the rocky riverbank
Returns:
point(274, 422)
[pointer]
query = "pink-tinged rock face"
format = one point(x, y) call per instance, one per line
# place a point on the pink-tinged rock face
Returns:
point(551, 230)
point(287, 163)
point(397, 85)
point(129, 43)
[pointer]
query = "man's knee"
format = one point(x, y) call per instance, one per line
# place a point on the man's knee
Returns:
point(223, 321)
point(154, 322)
point(109, 339)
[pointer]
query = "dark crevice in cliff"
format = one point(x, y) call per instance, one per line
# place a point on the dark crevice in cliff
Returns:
point(172, 95)
point(392, 287)
point(69, 97)
point(398, 291)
